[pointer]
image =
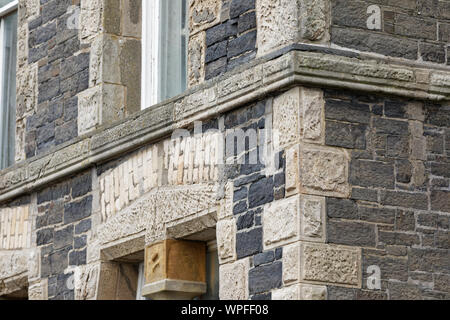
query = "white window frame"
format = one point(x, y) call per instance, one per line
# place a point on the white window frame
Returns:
point(4, 11)
point(151, 42)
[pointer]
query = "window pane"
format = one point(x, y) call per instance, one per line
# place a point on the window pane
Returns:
point(164, 47)
point(172, 50)
point(8, 52)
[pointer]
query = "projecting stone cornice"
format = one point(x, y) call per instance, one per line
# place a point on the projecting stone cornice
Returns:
point(294, 65)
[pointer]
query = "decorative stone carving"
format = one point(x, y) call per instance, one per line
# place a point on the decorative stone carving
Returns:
point(226, 240)
point(281, 222)
point(312, 218)
point(278, 24)
point(324, 171)
point(286, 109)
point(331, 264)
point(196, 58)
point(233, 280)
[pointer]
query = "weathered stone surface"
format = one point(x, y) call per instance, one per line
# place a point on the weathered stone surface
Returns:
point(312, 218)
point(292, 170)
point(90, 18)
point(203, 14)
point(330, 264)
point(287, 293)
point(196, 58)
point(324, 171)
point(291, 263)
point(286, 118)
point(249, 243)
point(312, 109)
point(38, 291)
point(226, 240)
point(85, 282)
point(351, 233)
point(278, 24)
point(311, 292)
point(234, 280)
point(13, 263)
point(265, 278)
point(281, 222)
point(314, 19)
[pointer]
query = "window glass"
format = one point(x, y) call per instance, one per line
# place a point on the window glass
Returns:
point(164, 41)
point(8, 53)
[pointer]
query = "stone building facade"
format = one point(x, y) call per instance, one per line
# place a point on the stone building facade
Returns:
point(312, 147)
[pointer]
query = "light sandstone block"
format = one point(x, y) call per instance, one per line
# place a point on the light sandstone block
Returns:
point(292, 170)
point(90, 17)
point(196, 57)
point(278, 24)
point(313, 20)
point(312, 115)
point(226, 240)
point(312, 292)
point(233, 280)
point(100, 105)
point(291, 263)
point(287, 293)
point(226, 204)
point(330, 264)
point(38, 291)
point(286, 108)
point(281, 222)
point(324, 171)
point(312, 218)
point(85, 281)
point(203, 14)
point(89, 109)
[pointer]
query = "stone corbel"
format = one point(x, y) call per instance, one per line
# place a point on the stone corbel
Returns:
point(175, 270)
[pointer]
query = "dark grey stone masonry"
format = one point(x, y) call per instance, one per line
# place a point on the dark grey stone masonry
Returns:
point(233, 42)
point(63, 220)
point(399, 211)
point(414, 30)
point(63, 73)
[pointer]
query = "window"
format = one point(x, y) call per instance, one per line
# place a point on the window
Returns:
point(164, 50)
point(8, 52)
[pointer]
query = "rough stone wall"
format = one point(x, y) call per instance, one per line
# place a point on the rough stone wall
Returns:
point(77, 69)
point(62, 227)
point(399, 208)
point(62, 63)
point(410, 29)
point(222, 37)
